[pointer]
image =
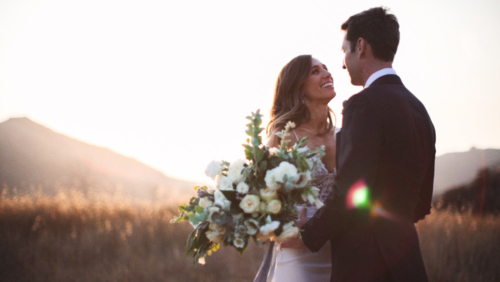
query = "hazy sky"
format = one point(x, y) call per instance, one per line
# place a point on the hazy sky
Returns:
point(171, 82)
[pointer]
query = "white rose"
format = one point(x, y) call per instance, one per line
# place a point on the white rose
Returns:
point(225, 183)
point(269, 227)
point(250, 204)
point(270, 179)
point(213, 169)
point(242, 188)
point(289, 231)
point(268, 194)
point(274, 206)
point(205, 202)
point(235, 168)
point(214, 236)
point(285, 168)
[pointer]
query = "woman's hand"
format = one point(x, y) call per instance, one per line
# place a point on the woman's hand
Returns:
point(296, 243)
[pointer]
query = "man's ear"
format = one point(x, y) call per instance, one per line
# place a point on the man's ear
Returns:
point(361, 46)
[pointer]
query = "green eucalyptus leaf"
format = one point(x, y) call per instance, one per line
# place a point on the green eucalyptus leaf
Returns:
point(259, 154)
point(263, 166)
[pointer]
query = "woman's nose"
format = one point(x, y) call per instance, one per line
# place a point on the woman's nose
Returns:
point(327, 74)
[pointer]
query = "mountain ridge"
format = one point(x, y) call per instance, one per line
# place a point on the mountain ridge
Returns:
point(32, 154)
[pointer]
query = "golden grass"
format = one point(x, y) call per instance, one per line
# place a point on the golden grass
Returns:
point(69, 238)
point(460, 246)
point(72, 238)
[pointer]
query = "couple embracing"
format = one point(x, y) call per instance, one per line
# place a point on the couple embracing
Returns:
point(386, 144)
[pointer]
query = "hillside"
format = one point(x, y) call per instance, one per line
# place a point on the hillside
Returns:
point(480, 196)
point(33, 158)
point(455, 169)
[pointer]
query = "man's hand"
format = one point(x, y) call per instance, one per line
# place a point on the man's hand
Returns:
point(297, 243)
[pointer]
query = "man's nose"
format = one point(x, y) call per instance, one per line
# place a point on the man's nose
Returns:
point(343, 65)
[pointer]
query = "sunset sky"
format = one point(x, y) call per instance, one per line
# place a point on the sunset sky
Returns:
point(170, 83)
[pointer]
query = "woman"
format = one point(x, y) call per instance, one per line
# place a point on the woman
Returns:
point(303, 91)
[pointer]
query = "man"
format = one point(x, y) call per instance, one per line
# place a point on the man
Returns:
point(387, 146)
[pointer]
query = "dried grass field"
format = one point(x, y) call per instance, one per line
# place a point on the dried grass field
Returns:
point(73, 238)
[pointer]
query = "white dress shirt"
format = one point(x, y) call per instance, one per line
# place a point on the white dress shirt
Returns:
point(376, 75)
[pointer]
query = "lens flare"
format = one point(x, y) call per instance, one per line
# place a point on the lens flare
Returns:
point(358, 195)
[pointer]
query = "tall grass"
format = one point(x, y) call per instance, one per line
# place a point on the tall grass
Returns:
point(73, 238)
point(69, 238)
point(460, 246)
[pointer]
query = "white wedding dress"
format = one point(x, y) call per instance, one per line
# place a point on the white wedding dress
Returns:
point(298, 265)
point(302, 264)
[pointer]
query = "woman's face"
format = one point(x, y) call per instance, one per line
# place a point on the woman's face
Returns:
point(319, 84)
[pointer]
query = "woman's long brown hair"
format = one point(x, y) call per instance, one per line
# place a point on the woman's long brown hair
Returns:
point(288, 102)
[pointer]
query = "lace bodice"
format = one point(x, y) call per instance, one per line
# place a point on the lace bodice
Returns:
point(324, 180)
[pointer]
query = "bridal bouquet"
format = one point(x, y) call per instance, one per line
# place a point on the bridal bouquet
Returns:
point(253, 198)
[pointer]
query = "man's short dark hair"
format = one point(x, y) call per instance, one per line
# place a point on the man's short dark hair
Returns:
point(379, 28)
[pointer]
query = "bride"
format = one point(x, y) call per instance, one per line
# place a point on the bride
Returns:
point(303, 90)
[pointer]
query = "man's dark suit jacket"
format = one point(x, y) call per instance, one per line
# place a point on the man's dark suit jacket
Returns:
point(387, 140)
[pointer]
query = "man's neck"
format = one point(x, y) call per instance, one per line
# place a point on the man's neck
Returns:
point(373, 67)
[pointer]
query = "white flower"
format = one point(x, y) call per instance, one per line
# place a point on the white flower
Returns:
point(242, 188)
point(270, 179)
point(269, 227)
point(225, 183)
point(214, 236)
point(268, 194)
point(289, 231)
point(285, 168)
point(205, 202)
point(250, 204)
point(213, 169)
point(274, 206)
point(311, 196)
point(219, 196)
point(223, 204)
point(213, 211)
point(235, 168)
point(273, 151)
point(252, 226)
point(303, 179)
point(289, 125)
point(239, 243)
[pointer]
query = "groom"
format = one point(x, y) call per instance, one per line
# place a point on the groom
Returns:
point(387, 145)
